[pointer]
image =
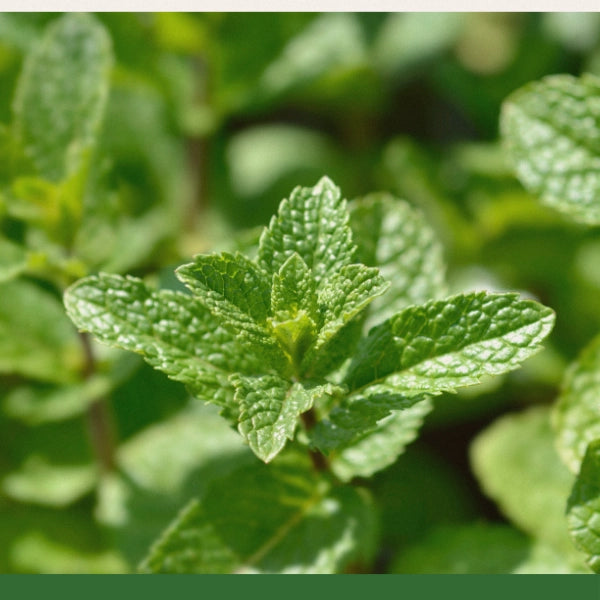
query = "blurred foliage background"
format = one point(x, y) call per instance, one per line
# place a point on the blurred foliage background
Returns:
point(211, 120)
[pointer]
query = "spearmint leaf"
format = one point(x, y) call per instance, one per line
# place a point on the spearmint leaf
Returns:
point(313, 223)
point(293, 521)
point(395, 237)
point(517, 465)
point(358, 415)
point(269, 411)
point(379, 447)
point(446, 344)
point(36, 338)
point(171, 330)
point(238, 293)
point(294, 290)
point(62, 94)
point(550, 128)
point(576, 414)
point(583, 509)
point(347, 293)
point(294, 305)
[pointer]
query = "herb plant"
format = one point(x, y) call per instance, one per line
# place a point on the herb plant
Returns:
point(278, 340)
point(185, 390)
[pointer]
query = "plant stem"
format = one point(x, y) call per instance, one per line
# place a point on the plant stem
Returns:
point(99, 419)
point(318, 460)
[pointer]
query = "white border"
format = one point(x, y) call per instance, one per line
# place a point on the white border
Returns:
point(301, 6)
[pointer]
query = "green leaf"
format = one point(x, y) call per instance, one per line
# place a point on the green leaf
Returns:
point(238, 294)
point(40, 482)
point(443, 345)
point(294, 290)
point(269, 411)
point(550, 128)
point(378, 447)
point(161, 468)
point(517, 465)
point(293, 521)
point(171, 330)
point(395, 237)
point(358, 415)
point(313, 223)
point(478, 548)
point(294, 305)
point(36, 338)
point(583, 509)
point(347, 293)
point(575, 417)
point(62, 93)
point(13, 260)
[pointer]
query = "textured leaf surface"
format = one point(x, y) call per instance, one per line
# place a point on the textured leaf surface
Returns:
point(238, 294)
point(396, 238)
point(379, 447)
point(36, 338)
point(294, 290)
point(295, 308)
point(292, 522)
point(62, 93)
point(552, 131)
point(583, 511)
point(171, 330)
point(576, 414)
point(313, 222)
point(443, 345)
point(269, 410)
point(347, 293)
point(517, 465)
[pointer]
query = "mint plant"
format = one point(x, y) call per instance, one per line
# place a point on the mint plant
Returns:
point(551, 130)
point(277, 343)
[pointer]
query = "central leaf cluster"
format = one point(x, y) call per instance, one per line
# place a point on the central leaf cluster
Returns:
point(290, 308)
point(266, 339)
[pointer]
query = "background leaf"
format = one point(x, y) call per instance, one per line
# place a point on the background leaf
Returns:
point(294, 522)
point(62, 94)
point(550, 128)
point(575, 415)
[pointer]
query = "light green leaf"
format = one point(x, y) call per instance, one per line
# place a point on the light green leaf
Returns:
point(446, 344)
point(40, 482)
point(269, 411)
point(378, 447)
point(238, 293)
point(395, 237)
point(13, 260)
point(576, 414)
point(171, 330)
point(295, 309)
point(294, 290)
point(313, 223)
point(161, 468)
point(517, 465)
point(62, 93)
point(583, 509)
point(358, 415)
point(550, 128)
point(36, 338)
point(347, 293)
point(293, 522)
